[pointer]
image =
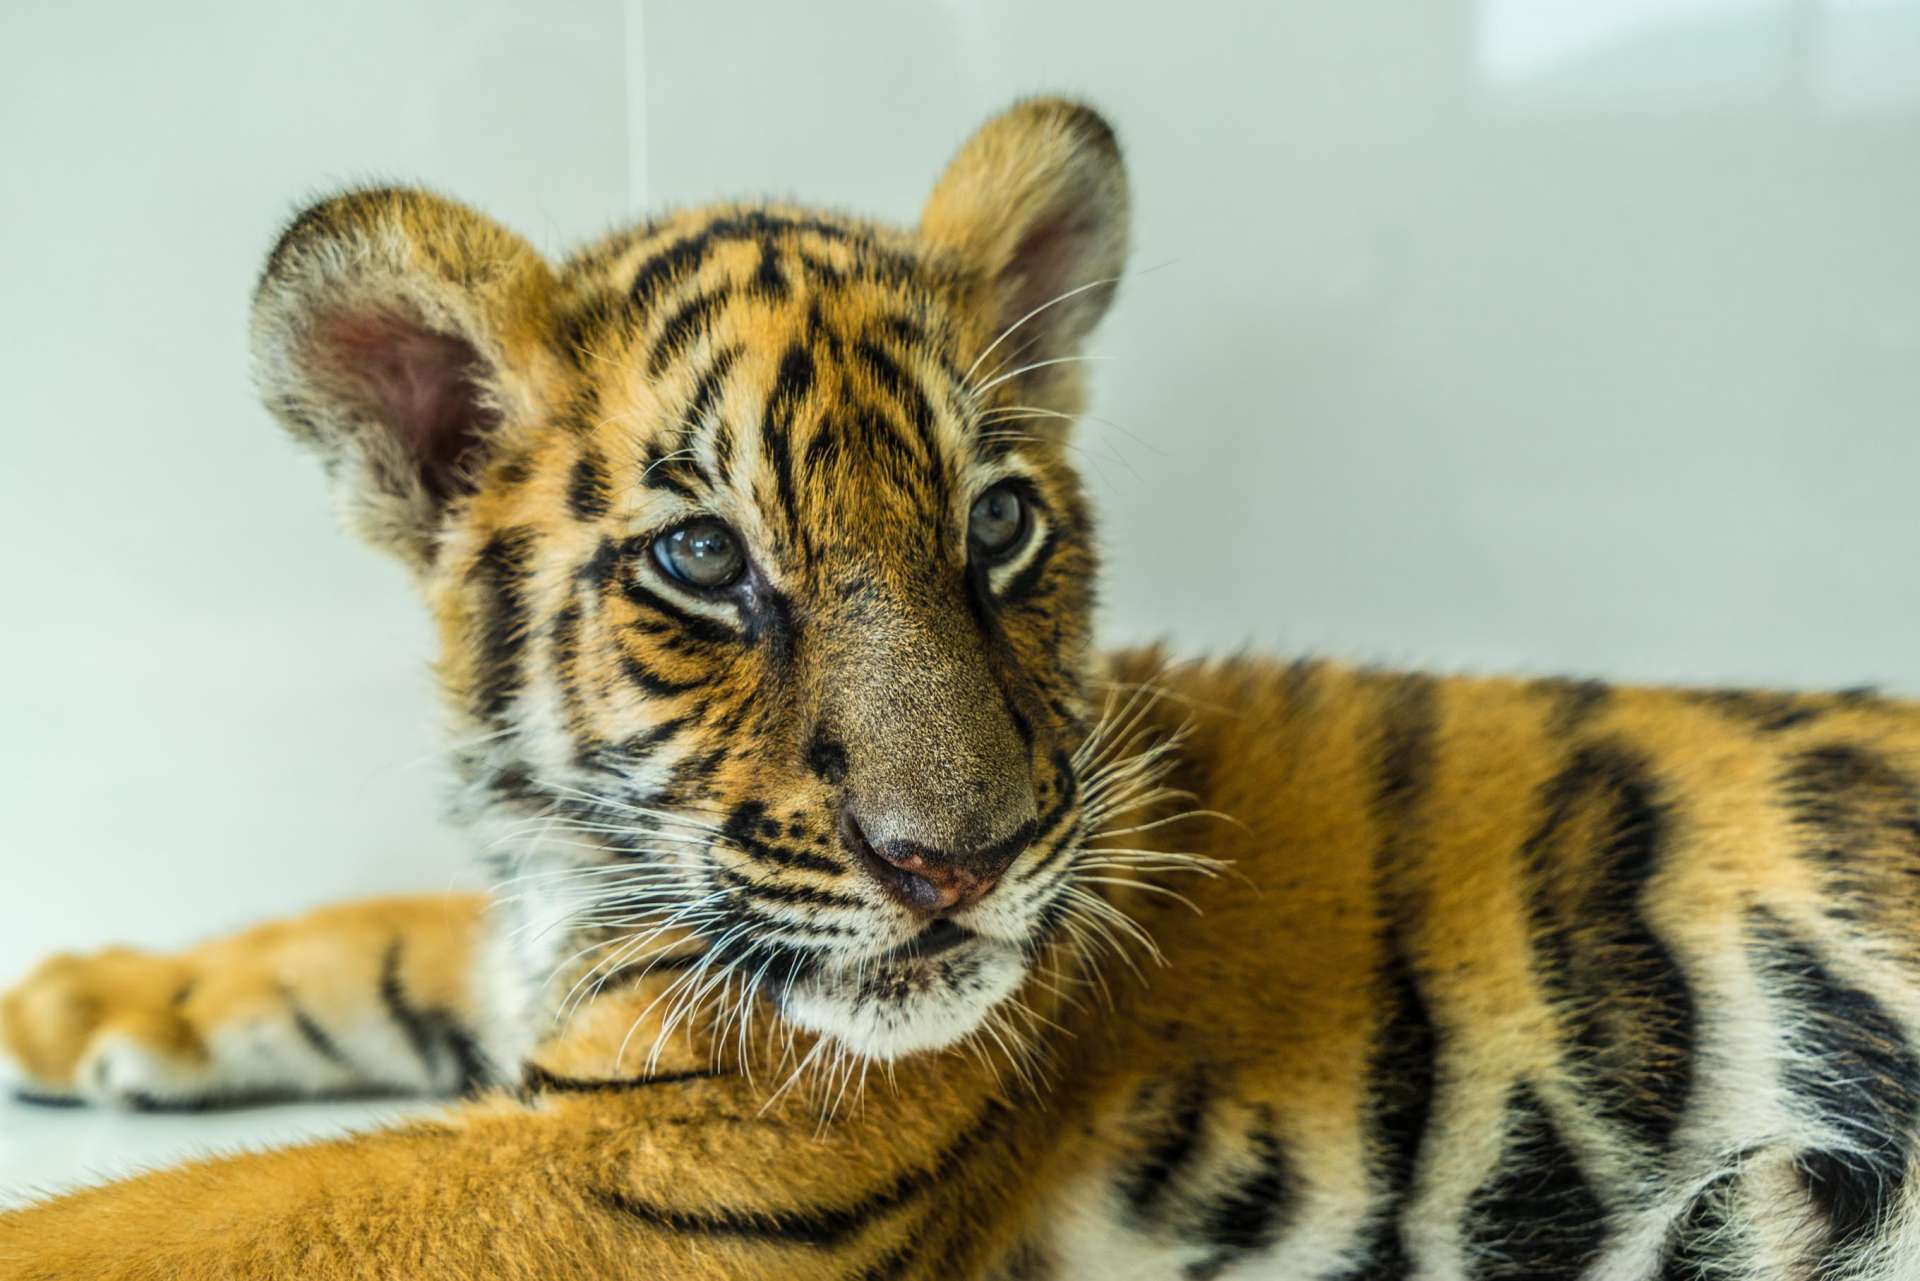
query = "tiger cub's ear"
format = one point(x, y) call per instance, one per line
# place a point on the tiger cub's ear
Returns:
point(399, 334)
point(1034, 209)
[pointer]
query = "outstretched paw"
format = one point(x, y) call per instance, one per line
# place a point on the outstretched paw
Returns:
point(105, 1028)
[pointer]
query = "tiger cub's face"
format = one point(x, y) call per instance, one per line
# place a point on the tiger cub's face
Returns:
point(762, 578)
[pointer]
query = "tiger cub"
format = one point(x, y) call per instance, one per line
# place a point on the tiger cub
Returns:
point(857, 918)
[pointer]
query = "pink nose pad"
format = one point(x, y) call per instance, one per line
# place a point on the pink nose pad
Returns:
point(918, 877)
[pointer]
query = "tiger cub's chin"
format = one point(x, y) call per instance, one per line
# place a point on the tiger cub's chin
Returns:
point(893, 1007)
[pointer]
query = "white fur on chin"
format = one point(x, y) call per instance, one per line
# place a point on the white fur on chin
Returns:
point(924, 1005)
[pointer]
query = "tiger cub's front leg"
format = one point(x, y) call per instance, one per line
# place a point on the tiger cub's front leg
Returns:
point(376, 995)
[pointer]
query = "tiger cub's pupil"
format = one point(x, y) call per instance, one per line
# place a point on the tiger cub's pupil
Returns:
point(702, 553)
point(997, 520)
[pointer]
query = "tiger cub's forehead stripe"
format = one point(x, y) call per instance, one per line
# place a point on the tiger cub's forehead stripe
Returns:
point(691, 319)
point(791, 384)
point(769, 232)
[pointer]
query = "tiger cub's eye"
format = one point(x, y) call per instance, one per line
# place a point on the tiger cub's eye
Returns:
point(998, 521)
point(704, 554)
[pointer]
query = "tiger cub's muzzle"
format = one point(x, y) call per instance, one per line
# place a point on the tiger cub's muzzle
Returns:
point(933, 762)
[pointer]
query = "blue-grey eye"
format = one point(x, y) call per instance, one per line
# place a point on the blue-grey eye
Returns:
point(998, 521)
point(704, 554)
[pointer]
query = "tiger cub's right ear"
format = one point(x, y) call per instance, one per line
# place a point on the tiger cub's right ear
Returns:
point(399, 334)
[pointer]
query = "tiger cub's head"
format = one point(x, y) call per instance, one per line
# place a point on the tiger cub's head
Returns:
point(761, 575)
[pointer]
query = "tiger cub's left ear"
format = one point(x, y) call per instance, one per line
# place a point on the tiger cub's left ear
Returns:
point(400, 335)
point(1034, 211)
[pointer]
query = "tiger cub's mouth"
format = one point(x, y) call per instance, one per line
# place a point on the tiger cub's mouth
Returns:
point(941, 936)
point(932, 991)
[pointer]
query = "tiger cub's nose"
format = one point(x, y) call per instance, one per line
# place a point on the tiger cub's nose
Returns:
point(931, 881)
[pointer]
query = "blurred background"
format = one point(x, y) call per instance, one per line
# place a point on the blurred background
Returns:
point(1559, 335)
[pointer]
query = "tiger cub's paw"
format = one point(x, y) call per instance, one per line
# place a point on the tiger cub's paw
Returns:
point(105, 1028)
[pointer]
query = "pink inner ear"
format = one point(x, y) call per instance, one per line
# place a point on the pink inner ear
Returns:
point(1043, 266)
point(422, 385)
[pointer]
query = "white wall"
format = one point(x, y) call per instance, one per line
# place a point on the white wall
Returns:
point(1568, 334)
point(1559, 334)
point(214, 701)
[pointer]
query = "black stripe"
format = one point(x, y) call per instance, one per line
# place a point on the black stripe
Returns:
point(617, 757)
point(792, 856)
point(823, 450)
point(685, 255)
point(748, 826)
point(28, 1096)
point(142, 1102)
point(1403, 758)
point(1248, 1217)
point(869, 433)
point(413, 1025)
point(1767, 711)
point(588, 492)
point(802, 935)
point(891, 1265)
point(681, 327)
point(1536, 1218)
point(651, 682)
point(822, 334)
point(512, 470)
point(1706, 1242)
point(313, 1034)
point(790, 386)
point(797, 895)
point(1400, 1068)
point(1858, 819)
point(906, 392)
point(564, 640)
point(816, 1226)
point(768, 280)
point(432, 1031)
point(1853, 1071)
point(821, 272)
point(792, 382)
point(1623, 998)
point(697, 626)
point(1399, 1105)
point(1022, 726)
point(579, 330)
point(1575, 703)
point(659, 470)
point(706, 392)
point(472, 1070)
point(1300, 685)
point(1171, 1137)
point(656, 272)
point(905, 330)
point(538, 1080)
point(500, 571)
point(698, 769)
